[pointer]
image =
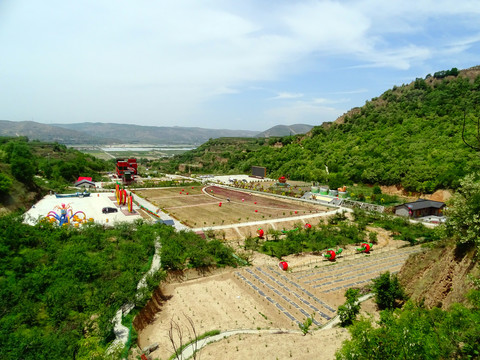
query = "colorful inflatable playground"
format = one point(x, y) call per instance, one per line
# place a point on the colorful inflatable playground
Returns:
point(123, 198)
point(66, 216)
point(82, 207)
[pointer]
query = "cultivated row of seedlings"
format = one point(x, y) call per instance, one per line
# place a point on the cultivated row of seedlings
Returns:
point(355, 272)
point(292, 300)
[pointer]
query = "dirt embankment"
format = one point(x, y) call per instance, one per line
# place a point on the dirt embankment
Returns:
point(439, 277)
point(439, 195)
point(153, 306)
point(159, 297)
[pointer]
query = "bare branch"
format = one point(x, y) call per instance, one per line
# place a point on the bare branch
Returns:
point(172, 331)
point(463, 132)
point(195, 342)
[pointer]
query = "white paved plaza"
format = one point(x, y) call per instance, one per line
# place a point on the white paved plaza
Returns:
point(92, 207)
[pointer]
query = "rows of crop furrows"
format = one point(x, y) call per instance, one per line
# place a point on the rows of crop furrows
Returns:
point(355, 272)
point(291, 299)
point(299, 295)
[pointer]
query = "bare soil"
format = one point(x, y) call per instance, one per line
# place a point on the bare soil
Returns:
point(439, 277)
point(216, 302)
point(219, 206)
point(317, 345)
point(439, 195)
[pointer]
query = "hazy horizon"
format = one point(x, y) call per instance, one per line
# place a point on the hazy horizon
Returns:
point(221, 64)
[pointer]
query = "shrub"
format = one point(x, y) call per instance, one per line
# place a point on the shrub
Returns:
point(387, 290)
point(348, 312)
point(305, 326)
point(5, 183)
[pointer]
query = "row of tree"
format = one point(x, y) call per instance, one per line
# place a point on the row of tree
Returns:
point(338, 232)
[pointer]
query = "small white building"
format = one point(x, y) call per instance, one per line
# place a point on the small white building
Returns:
point(85, 182)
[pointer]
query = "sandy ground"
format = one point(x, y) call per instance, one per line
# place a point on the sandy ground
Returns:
point(439, 195)
point(320, 344)
point(92, 207)
point(216, 302)
point(317, 345)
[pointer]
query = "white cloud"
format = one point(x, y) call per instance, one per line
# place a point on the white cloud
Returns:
point(347, 92)
point(329, 101)
point(156, 62)
point(286, 95)
point(308, 112)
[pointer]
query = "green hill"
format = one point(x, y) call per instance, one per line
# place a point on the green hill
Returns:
point(137, 134)
point(28, 169)
point(410, 135)
point(285, 130)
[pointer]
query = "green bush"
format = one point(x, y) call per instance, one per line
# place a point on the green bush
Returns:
point(416, 333)
point(387, 290)
point(5, 183)
point(348, 312)
point(305, 326)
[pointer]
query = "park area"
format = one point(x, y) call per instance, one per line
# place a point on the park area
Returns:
point(198, 206)
point(88, 208)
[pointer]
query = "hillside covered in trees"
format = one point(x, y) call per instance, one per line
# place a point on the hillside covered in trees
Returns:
point(60, 286)
point(29, 169)
point(411, 135)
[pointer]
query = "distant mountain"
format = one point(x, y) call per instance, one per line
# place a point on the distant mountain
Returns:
point(50, 133)
point(134, 134)
point(104, 133)
point(285, 130)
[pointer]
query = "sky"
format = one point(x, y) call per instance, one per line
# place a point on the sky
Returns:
point(223, 64)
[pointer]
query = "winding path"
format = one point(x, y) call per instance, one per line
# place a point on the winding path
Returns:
point(121, 331)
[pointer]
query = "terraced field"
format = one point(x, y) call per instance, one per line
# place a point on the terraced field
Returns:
point(298, 295)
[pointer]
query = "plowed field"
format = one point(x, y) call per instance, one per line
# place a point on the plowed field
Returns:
point(213, 205)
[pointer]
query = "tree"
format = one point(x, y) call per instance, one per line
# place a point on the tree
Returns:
point(176, 333)
point(305, 326)
point(387, 290)
point(23, 169)
point(474, 144)
point(463, 214)
point(414, 332)
point(348, 312)
point(5, 184)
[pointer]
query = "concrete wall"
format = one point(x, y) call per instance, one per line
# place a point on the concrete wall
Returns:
point(402, 211)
